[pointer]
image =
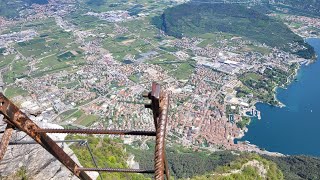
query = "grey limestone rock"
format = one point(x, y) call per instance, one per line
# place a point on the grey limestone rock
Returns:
point(34, 161)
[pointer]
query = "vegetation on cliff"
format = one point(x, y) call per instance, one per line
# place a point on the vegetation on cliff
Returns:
point(248, 167)
point(184, 162)
point(298, 167)
point(201, 164)
point(196, 164)
point(109, 153)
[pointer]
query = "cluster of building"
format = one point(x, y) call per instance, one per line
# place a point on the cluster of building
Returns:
point(304, 26)
point(111, 16)
point(14, 37)
point(104, 87)
point(199, 115)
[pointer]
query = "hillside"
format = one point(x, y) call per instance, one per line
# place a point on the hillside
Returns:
point(194, 19)
point(311, 7)
point(108, 153)
point(182, 160)
point(298, 167)
point(182, 164)
point(252, 166)
point(306, 7)
point(247, 166)
point(11, 9)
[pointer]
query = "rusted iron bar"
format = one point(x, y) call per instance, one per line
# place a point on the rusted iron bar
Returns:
point(160, 158)
point(93, 159)
point(159, 105)
point(97, 131)
point(19, 120)
point(5, 140)
point(163, 124)
point(163, 127)
point(34, 142)
point(155, 103)
point(117, 170)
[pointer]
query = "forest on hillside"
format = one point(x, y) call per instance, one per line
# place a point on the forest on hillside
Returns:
point(194, 19)
point(187, 163)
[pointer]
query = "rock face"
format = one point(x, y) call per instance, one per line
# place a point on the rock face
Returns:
point(33, 161)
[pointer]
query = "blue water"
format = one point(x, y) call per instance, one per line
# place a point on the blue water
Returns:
point(294, 129)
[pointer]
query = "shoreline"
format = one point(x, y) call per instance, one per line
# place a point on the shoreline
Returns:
point(290, 79)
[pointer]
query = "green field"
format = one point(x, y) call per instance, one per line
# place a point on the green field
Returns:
point(11, 92)
point(66, 56)
point(18, 70)
point(134, 77)
point(87, 120)
point(81, 117)
point(6, 60)
point(183, 71)
point(53, 50)
point(68, 113)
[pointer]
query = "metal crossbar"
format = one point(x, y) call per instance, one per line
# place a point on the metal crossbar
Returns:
point(34, 142)
point(118, 170)
point(98, 131)
point(17, 120)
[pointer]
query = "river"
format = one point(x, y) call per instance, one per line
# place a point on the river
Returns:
point(294, 129)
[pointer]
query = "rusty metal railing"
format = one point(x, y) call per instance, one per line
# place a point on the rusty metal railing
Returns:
point(17, 120)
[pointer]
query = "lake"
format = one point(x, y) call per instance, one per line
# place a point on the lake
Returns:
point(294, 129)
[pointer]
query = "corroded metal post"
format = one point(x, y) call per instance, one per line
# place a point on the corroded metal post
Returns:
point(20, 121)
point(160, 156)
point(5, 140)
point(160, 105)
point(16, 119)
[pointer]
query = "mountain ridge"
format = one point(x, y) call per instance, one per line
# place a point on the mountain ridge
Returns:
point(195, 19)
